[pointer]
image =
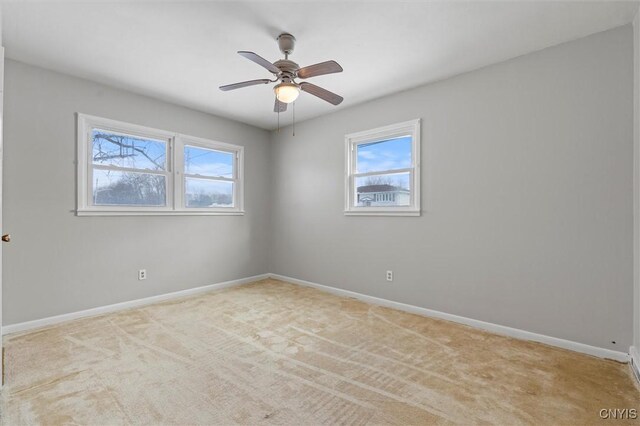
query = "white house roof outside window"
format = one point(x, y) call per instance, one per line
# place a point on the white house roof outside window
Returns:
point(382, 195)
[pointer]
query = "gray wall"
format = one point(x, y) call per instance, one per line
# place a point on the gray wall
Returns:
point(527, 195)
point(527, 199)
point(59, 263)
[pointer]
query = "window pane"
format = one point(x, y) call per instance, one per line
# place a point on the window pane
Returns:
point(112, 149)
point(208, 193)
point(383, 190)
point(114, 188)
point(384, 155)
point(207, 162)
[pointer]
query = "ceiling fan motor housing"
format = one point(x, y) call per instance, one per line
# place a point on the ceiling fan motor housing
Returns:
point(286, 43)
point(288, 69)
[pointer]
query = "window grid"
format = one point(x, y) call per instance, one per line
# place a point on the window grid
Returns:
point(173, 172)
point(402, 195)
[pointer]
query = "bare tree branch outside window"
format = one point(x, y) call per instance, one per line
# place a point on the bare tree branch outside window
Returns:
point(128, 187)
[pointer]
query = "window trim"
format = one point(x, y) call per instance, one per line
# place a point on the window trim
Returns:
point(352, 140)
point(174, 171)
point(180, 175)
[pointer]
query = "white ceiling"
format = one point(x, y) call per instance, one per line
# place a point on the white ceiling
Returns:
point(182, 51)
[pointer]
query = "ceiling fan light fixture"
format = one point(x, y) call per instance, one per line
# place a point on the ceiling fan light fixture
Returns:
point(287, 92)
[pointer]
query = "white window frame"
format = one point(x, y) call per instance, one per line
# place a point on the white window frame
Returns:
point(352, 140)
point(174, 170)
point(181, 175)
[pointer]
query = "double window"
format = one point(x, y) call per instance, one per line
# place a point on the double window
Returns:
point(382, 174)
point(124, 169)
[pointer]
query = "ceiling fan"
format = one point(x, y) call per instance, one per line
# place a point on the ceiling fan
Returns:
point(286, 71)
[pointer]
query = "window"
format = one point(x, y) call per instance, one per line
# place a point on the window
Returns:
point(128, 170)
point(124, 169)
point(383, 171)
point(209, 178)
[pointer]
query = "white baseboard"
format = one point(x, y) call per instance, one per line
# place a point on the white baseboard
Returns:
point(634, 362)
point(494, 328)
point(44, 322)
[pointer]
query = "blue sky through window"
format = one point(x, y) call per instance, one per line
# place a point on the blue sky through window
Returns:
point(207, 162)
point(389, 154)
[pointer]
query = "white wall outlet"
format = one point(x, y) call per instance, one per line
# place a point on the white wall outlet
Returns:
point(142, 274)
point(389, 275)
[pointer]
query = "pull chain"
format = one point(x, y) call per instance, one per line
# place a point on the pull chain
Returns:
point(278, 107)
point(294, 119)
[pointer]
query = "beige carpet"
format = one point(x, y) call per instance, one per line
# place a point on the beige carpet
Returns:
point(276, 353)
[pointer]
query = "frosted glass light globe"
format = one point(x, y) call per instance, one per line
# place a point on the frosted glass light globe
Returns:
point(287, 92)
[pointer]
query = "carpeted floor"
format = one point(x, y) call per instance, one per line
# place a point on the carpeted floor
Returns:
point(273, 352)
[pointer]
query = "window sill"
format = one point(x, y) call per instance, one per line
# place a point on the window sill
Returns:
point(158, 213)
point(382, 213)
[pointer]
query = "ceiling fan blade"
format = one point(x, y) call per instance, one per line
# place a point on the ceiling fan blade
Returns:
point(244, 84)
point(279, 106)
point(323, 94)
point(260, 61)
point(328, 67)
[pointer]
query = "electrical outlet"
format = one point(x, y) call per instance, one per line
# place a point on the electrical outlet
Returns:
point(142, 274)
point(389, 275)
